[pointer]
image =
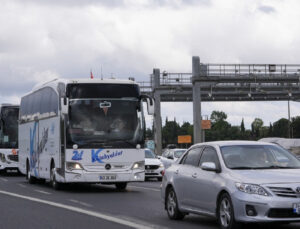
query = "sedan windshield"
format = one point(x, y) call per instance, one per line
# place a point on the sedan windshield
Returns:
point(149, 154)
point(113, 122)
point(258, 157)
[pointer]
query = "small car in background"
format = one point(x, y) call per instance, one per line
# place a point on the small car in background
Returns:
point(235, 182)
point(169, 156)
point(153, 166)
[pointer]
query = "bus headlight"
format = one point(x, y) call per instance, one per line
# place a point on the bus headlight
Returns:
point(2, 157)
point(139, 165)
point(73, 166)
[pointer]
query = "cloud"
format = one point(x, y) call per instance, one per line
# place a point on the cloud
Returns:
point(41, 40)
point(267, 9)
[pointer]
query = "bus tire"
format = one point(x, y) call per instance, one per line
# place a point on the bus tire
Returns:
point(56, 185)
point(29, 177)
point(121, 186)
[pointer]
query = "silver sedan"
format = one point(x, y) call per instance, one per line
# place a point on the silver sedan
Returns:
point(235, 182)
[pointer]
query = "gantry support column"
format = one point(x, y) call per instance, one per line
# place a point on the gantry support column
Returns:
point(157, 112)
point(196, 100)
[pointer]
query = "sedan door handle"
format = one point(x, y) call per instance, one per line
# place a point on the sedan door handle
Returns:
point(194, 175)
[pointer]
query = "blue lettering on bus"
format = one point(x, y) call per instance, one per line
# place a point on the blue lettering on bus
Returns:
point(33, 153)
point(77, 155)
point(99, 158)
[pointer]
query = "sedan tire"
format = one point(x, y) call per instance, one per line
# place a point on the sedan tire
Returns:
point(172, 206)
point(226, 213)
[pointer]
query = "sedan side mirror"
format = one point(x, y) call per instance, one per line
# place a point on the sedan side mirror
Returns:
point(210, 166)
point(170, 157)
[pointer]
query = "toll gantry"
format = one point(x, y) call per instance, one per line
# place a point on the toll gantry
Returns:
point(220, 82)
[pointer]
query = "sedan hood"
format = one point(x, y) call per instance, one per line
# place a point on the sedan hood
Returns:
point(266, 176)
point(152, 161)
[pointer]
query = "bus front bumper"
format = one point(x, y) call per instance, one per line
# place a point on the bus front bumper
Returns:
point(82, 176)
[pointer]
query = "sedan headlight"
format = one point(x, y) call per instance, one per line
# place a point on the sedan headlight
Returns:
point(161, 165)
point(138, 165)
point(73, 166)
point(252, 189)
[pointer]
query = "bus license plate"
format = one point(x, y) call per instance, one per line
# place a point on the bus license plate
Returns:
point(296, 208)
point(107, 177)
point(149, 171)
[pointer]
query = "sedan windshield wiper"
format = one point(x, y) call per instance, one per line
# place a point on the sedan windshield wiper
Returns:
point(277, 167)
point(242, 167)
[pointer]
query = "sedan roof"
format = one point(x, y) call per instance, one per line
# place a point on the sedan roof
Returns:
point(230, 143)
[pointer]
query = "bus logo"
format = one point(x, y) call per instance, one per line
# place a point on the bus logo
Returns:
point(96, 157)
point(77, 156)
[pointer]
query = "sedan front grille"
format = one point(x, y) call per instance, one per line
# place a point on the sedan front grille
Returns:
point(152, 167)
point(282, 213)
point(13, 157)
point(283, 192)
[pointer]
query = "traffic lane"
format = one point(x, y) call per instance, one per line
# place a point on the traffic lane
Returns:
point(20, 213)
point(139, 205)
point(139, 202)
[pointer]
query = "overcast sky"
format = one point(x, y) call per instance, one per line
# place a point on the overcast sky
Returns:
point(45, 39)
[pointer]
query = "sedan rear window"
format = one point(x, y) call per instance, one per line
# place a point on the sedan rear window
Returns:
point(258, 157)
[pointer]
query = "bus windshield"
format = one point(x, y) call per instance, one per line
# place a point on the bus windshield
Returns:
point(9, 127)
point(105, 123)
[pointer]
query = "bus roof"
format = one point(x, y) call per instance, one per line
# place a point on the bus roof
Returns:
point(8, 105)
point(53, 83)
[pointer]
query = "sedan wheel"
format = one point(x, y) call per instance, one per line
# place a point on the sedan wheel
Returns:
point(172, 206)
point(226, 213)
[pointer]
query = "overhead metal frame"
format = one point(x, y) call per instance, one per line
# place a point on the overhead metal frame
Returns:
point(221, 82)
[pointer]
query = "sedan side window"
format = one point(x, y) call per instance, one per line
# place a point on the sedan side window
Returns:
point(209, 155)
point(192, 157)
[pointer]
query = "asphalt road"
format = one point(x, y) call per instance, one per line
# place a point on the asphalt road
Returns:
point(90, 206)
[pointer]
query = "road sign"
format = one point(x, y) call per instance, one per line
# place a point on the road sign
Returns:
point(206, 124)
point(184, 139)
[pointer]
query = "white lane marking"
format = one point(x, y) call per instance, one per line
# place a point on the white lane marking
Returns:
point(41, 191)
point(151, 189)
point(22, 185)
point(82, 211)
point(82, 203)
point(4, 179)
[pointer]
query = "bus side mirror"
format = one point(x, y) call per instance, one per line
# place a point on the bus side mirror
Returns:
point(150, 106)
point(64, 105)
point(150, 103)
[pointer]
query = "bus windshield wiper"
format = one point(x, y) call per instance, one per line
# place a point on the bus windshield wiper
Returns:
point(123, 141)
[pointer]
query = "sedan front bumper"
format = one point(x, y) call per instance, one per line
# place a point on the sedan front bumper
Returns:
point(267, 208)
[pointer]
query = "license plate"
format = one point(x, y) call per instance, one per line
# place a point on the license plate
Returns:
point(107, 177)
point(296, 208)
point(149, 171)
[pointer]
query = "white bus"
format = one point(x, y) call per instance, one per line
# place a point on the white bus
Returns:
point(9, 115)
point(83, 131)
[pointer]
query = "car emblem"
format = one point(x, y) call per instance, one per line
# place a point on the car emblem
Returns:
point(108, 166)
point(298, 189)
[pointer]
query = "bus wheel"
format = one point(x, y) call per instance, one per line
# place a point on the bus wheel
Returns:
point(56, 185)
point(29, 177)
point(121, 186)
